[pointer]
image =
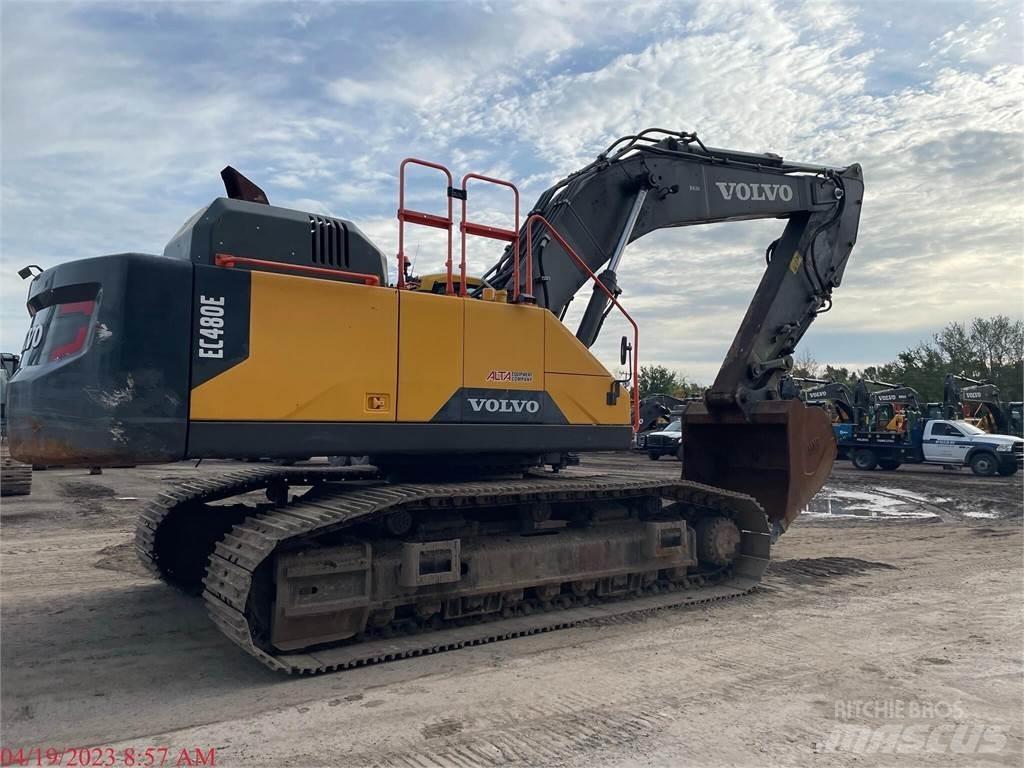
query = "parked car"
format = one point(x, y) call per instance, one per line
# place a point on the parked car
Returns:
point(665, 442)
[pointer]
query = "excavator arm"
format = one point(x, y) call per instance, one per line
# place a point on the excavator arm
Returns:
point(822, 391)
point(659, 179)
point(744, 436)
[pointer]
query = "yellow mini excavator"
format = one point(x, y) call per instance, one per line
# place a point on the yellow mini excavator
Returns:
point(462, 391)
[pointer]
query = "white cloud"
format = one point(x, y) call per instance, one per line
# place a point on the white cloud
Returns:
point(937, 158)
point(108, 145)
point(966, 43)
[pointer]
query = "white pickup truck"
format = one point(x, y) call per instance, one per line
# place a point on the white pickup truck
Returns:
point(936, 441)
point(665, 442)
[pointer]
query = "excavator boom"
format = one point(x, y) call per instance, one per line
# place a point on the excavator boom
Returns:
point(658, 179)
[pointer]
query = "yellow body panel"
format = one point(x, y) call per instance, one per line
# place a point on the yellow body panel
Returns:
point(319, 350)
point(430, 353)
point(564, 353)
point(584, 399)
point(323, 350)
point(504, 346)
point(577, 381)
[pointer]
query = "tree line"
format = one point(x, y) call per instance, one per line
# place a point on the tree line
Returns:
point(987, 349)
point(661, 380)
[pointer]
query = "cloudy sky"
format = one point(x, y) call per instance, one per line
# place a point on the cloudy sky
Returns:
point(116, 119)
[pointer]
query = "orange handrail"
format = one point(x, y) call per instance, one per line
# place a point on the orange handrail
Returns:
point(583, 265)
point(424, 219)
point(494, 233)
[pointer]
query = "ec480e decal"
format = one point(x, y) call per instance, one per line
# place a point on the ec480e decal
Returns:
point(211, 326)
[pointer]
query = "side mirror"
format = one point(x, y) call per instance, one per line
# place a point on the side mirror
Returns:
point(624, 349)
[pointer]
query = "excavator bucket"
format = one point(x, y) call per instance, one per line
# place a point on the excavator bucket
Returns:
point(780, 455)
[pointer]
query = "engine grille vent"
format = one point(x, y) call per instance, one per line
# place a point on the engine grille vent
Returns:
point(326, 241)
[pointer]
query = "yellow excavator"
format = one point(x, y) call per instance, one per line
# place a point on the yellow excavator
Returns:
point(469, 395)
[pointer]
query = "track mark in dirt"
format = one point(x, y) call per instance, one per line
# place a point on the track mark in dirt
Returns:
point(24, 712)
point(447, 727)
point(89, 496)
point(83, 490)
point(121, 558)
point(804, 569)
point(992, 533)
point(640, 616)
point(543, 734)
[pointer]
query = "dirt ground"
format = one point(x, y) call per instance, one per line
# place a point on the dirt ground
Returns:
point(888, 631)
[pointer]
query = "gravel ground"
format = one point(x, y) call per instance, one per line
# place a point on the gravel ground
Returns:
point(888, 630)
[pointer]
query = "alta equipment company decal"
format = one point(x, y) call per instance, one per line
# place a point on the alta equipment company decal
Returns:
point(519, 377)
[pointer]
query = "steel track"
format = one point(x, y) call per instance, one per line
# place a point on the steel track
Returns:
point(346, 498)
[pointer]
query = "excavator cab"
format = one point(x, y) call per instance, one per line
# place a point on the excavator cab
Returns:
point(436, 283)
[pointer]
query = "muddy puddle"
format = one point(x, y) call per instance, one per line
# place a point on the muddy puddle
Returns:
point(874, 502)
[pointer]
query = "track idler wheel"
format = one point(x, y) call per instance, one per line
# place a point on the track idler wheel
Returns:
point(718, 541)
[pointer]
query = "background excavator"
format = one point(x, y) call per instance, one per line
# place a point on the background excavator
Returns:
point(882, 406)
point(834, 396)
point(656, 411)
point(977, 403)
point(458, 394)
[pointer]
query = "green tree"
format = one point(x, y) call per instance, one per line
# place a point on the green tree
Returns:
point(957, 348)
point(687, 388)
point(660, 380)
point(839, 374)
point(989, 349)
point(657, 380)
point(998, 346)
point(805, 366)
